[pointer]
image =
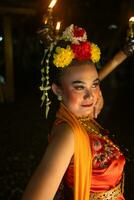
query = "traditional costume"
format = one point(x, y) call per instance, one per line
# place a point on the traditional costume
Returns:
point(96, 169)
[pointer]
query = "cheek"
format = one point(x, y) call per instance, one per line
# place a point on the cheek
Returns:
point(97, 93)
point(74, 98)
point(71, 96)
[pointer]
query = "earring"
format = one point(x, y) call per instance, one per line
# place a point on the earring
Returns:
point(59, 97)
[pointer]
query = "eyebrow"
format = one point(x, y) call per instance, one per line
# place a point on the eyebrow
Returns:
point(79, 82)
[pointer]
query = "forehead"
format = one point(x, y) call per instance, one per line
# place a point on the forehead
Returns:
point(84, 72)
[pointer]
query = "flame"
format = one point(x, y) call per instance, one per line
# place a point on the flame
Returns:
point(52, 4)
point(58, 26)
point(131, 19)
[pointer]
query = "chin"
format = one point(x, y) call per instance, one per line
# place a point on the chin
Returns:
point(84, 114)
point(88, 112)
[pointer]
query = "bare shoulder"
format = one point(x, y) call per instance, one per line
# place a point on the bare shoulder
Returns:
point(62, 138)
point(53, 165)
point(62, 131)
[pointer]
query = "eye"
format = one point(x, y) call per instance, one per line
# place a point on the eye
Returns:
point(79, 87)
point(96, 84)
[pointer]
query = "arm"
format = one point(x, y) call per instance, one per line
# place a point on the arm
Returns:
point(112, 64)
point(107, 69)
point(46, 179)
point(119, 57)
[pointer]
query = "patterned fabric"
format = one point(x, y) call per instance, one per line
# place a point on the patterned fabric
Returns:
point(107, 169)
point(103, 153)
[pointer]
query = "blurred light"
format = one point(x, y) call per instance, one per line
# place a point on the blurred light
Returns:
point(131, 19)
point(1, 38)
point(112, 26)
point(130, 33)
point(52, 4)
point(58, 26)
point(2, 80)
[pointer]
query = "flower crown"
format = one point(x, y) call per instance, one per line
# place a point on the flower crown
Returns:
point(78, 48)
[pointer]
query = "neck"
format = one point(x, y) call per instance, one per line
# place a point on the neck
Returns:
point(84, 118)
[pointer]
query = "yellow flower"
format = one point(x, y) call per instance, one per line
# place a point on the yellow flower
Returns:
point(63, 57)
point(95, 53)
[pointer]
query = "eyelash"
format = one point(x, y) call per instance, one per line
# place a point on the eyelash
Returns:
point(95, 85)
point(81, 87)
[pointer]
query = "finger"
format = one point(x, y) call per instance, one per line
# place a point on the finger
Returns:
point(95, 112)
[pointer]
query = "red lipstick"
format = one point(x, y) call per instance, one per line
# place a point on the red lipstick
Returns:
point(87, 105)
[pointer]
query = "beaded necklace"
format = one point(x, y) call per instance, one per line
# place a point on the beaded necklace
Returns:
point(84, 122)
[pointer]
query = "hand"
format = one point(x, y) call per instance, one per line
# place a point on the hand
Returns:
point(98, 106)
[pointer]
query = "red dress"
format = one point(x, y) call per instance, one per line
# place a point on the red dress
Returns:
point(107, 169)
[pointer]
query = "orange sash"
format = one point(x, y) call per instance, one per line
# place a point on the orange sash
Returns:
point(82, 155)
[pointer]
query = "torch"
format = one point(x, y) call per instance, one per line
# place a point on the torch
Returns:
point(127, 50)
point(47, 31)
point(129, 47)
point(57, 28)
point(52, 4)
point(48, 17)
point(130, 33)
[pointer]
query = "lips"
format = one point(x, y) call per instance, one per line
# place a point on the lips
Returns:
point(87, 105)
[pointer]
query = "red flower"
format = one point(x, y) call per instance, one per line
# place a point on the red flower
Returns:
point(82, 51)
point(78, 32)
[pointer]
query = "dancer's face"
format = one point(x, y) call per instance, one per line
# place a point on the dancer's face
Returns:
point(80, 89)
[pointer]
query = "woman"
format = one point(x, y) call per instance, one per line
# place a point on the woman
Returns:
point(80, 162)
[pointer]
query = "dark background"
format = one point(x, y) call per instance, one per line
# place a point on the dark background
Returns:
point(23, 128)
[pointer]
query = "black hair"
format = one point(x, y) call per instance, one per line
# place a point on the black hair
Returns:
point(55, 75)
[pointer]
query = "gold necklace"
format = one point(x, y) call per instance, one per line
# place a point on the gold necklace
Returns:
point(84, 119)
point(92, 130)
point(90, 125)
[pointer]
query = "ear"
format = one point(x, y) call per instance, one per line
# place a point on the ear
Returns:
point(56, 89)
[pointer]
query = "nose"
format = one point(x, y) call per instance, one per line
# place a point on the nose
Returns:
point(88, 94)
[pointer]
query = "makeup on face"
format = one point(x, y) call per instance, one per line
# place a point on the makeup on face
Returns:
point(80, 88)
point(79, 85)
